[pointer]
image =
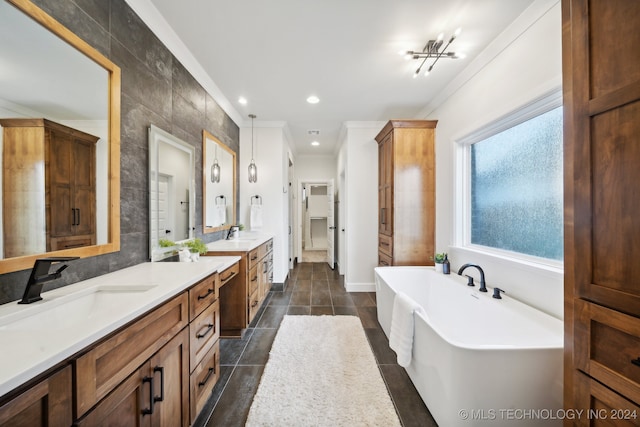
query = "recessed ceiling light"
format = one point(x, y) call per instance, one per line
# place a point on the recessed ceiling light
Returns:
point(242, 100)
point(315, 143)
point(313, 99)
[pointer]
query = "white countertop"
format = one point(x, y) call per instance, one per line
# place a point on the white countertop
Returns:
point(30, 347)
point(245, 242)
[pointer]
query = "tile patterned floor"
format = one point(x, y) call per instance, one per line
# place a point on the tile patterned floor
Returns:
point(315, 289)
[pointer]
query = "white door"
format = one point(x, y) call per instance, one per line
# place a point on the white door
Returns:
point(162, 227)
point(331, 229)
point(291, 215)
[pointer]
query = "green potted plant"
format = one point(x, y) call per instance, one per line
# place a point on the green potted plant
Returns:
point(439, 258)
point(196, 247)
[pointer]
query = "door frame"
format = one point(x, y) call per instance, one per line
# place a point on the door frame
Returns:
point(298, 199)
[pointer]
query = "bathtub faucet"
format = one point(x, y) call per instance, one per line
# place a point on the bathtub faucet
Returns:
point(483, 285)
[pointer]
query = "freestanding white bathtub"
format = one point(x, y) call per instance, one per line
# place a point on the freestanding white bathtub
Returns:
point(477, 360)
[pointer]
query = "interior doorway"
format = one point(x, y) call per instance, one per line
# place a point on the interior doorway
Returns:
point(316, 240)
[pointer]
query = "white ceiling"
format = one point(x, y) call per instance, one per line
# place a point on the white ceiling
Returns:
point(276, 53)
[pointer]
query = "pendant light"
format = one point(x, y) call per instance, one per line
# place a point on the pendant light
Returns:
point(215, 168)
point(253, 169)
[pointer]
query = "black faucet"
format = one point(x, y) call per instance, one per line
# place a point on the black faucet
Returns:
point(483, 285)
point(39, 275)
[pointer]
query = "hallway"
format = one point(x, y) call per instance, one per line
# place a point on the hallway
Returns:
point(312, 289)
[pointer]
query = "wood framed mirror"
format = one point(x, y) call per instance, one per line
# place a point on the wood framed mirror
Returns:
point(218, 184)
point(62, 90)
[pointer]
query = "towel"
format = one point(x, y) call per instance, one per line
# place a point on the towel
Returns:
point(402, 325)
point(256, 217)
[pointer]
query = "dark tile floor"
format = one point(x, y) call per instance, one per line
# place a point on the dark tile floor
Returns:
point(314, 289)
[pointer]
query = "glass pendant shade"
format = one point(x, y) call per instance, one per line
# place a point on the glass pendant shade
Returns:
point(215, 171)
point(253, 169)
point(253, 172)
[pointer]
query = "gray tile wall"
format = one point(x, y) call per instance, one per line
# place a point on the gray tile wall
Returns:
point(156, 89)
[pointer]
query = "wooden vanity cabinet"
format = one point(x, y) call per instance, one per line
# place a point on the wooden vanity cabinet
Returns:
point(243, 297)
point(48, 403)
point(601, 96)
point(406, 192)
point(153, 350)
point(156, 394)
point(158, 370)
point(49, 187)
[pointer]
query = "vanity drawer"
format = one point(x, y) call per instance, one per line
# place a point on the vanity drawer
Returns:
point(204, 331)
point(203, 294)
point(607, 347)
point(229, 274)
point(203, 379)
point(254, 281)
point(254, 304)
point(110, 362)
point(253, 257)
point(385, 244)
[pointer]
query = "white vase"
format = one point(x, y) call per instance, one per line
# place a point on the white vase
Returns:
point(438, 267)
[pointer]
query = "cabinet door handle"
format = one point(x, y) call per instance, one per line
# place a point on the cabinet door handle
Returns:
point(265, 264)
point(254, 278)
point(161, 370)
point(149, 410)
point(206, 329)
point(255, 257)
point(209, 292)
point(205, 379)
point(78, 222)
point(73, 216)
point(254, 303)
point(636, 361)
point(383, 216)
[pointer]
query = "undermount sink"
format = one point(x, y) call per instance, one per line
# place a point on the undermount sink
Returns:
point(75, 309)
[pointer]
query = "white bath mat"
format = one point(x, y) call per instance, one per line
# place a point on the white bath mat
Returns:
point(321, 372)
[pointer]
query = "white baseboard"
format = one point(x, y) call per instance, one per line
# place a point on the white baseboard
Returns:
point(360, 287)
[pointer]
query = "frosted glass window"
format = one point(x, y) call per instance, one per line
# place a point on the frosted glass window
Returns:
point(516, 188)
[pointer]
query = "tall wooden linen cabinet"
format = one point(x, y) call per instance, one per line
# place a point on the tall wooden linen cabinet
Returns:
point(601, 85)
point(48, 187)
point(406, 192)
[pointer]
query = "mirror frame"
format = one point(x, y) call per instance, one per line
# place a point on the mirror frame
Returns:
point(207, 135)
point(114, 86)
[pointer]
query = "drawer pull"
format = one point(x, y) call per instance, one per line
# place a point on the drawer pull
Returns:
point(204, 381)
point(254, 303)
point(255, 257)
point(254, 278)
point(207, 329)
point(149, 410)
point(209, 292)
point(161, 370)
point(636, 361)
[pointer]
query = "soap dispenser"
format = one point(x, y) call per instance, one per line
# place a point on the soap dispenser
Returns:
point(446, 265)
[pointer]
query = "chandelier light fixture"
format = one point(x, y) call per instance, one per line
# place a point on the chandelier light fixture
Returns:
point(253, 169)
point(433, 50)
point(215, 168)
